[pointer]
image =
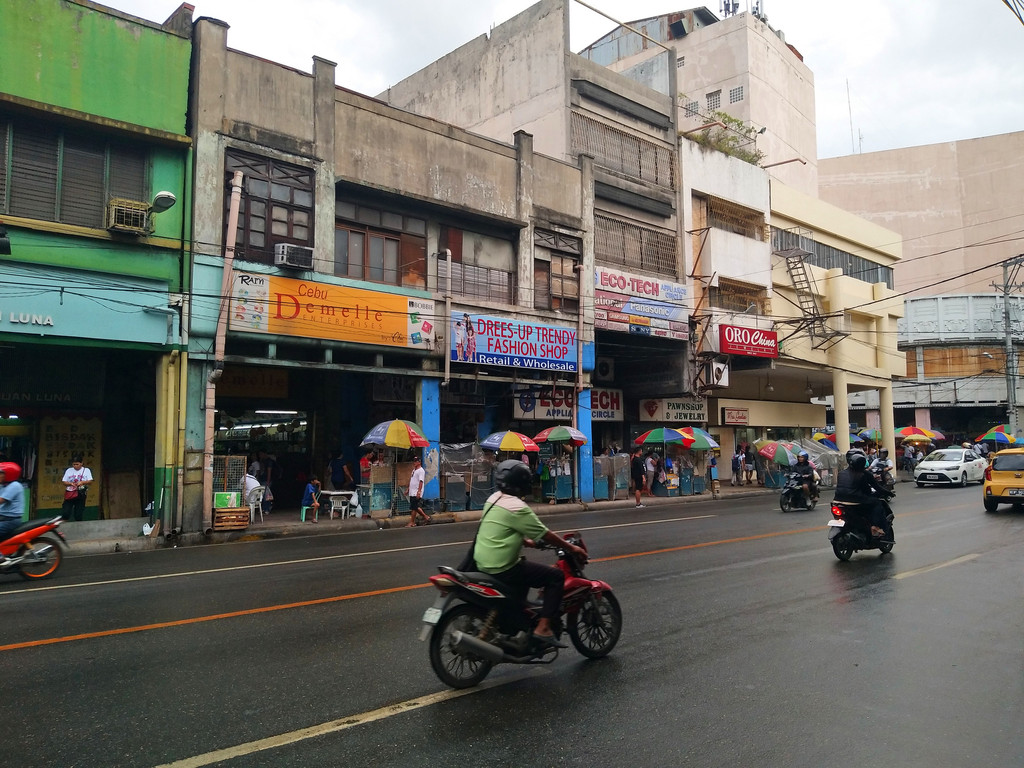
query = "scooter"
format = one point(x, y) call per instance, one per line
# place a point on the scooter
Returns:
point(793, 496)
point(33, 549)
point(477, 621)
point(882, 475)
point(849, 530)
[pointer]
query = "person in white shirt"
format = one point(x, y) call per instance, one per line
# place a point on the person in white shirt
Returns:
point(249, 482)
point(76, 481)
point(416, 483)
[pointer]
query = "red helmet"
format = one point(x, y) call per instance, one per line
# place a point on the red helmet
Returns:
point(11, 471)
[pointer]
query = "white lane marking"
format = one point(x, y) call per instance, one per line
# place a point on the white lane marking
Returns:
point(300, 561)
point(927, 568)
point(333, 726)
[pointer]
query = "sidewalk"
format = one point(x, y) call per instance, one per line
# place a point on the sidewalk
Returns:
point(286, 523)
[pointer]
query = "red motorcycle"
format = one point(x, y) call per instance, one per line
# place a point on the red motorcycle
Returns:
point(33, 549)
point(477, 621)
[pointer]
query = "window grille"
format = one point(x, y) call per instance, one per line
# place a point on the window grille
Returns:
point(692, 108)
point(620, 243)
point(626, 153)
point(714, 100)
point(828, 257)
point(736, 297)
point(477, 282)
point(731, 217)
point(735, 94)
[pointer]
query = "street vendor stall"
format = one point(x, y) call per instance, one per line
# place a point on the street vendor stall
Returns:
point(385, 495)
point(560, 484)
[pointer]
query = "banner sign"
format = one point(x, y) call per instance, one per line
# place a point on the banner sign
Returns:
point(749, 342)
point(515, 343)
point(674, 410)
point(289, 307)
point(605, 405)
point(736, 416)
point(640, 304)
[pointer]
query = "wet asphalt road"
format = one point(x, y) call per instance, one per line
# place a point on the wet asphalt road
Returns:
point(746, 643)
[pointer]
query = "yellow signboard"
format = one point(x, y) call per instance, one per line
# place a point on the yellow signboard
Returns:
point(60, 439)
point(289, 307)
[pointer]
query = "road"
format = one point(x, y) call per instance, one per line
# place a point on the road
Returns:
point(746, 643)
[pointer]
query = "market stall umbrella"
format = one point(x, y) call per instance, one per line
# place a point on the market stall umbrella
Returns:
point(397, 433)
point(698, 439)
point(999, 429)
point(509, 441)
point(821, 436)
point(773, 450)
point(827, 442)
point(870, 434)
point(913, 431)
point(660, 435)
point(561, 434)
point(999, 438)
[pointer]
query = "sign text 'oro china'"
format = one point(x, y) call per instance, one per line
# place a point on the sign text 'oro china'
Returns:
point(749, 342)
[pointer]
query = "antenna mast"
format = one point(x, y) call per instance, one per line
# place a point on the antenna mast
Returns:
point(853, 143)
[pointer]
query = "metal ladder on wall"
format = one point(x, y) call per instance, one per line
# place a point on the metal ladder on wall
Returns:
point(822, 336)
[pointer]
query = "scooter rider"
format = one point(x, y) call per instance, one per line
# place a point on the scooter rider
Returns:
point(856, 484)
point(804, 469)
point(12, 499)
point(506, 525)
point(882, 464)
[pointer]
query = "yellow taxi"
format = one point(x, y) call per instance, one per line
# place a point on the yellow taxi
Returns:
point(1004, 479)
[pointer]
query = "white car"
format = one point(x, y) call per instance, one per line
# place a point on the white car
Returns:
point(950, 465)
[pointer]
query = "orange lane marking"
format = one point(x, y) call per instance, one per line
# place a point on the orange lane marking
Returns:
point(201, 619)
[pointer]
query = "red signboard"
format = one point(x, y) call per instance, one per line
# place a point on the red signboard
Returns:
point(749, 342)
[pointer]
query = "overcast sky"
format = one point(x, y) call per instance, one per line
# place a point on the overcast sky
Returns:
point(919, 71)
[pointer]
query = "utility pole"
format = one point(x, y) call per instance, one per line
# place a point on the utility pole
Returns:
point(1011, 354)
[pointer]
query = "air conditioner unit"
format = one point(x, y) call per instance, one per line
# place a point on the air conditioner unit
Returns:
point(716, 374)
point(130, 216)
point(604, 370)
point(294, 256)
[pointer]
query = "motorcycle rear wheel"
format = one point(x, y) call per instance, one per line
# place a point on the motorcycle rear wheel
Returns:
point(595, 628)
point(458, 670)
point(50, 556)
point(842, 545)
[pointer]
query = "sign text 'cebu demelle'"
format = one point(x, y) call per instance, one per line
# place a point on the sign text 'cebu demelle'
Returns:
point(748, 342)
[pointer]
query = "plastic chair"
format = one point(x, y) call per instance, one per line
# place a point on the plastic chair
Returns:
point(255, 502)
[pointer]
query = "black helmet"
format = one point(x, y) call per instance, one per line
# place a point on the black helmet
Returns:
point(883, 452)
point(856, 459)
point(514, 478)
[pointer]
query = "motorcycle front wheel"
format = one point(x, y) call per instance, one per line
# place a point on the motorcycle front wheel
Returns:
point(42, 560)
point(458, 670)
point(842, 545)
point(786, 502)
point(595, 628)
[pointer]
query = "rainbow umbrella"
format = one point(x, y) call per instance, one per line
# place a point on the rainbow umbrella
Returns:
point(827, 442)
point(870, 434)
point(999, 429)
point(996, 436)
point(508, 441)
point(561, 434)
point(821, 436)
point(773, 450)
point(698, 439)
point(913, 431)
point(659, 436)
point(397, 434)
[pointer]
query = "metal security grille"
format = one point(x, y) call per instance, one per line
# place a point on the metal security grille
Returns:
point(619, 151)
point(477, 282)
point(735, 218)
point(620, 243)
point(228, 472)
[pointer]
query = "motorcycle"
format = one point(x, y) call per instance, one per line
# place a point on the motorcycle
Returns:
point(33, 550)
point(793, 496)
point(883, 476)
point(849, 530)
point(477, 621)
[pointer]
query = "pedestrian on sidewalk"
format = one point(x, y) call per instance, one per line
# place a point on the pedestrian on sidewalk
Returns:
point(416, 483)
point(737, 467)
point(636, 469)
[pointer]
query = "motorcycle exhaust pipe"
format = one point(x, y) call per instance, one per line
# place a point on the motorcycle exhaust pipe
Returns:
point(468, 644)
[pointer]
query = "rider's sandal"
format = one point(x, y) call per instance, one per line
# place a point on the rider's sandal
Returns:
point(549, 640)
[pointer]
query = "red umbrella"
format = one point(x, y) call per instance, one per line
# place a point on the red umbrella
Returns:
point(561, 435)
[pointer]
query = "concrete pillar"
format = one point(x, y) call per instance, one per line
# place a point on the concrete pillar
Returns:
point(585, 453)
point(842, 409)
point(428, 414)
point(886, 422)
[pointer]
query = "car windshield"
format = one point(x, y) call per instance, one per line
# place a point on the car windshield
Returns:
point(945, 456)
point(1010, 462)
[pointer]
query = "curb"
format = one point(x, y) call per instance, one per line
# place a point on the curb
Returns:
point(128, 545)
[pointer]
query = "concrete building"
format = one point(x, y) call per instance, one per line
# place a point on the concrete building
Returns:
point(95, 198)
point(956, 208)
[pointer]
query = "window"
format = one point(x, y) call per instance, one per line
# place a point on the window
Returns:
point(692, 108)
point(735, 94)
point(736, 297)
point(622, 243)
point(731, 217)
point(680, 62)
point(379, 246)
point(276, 205)
point(714, 100)
point(67, 175)
point(627, 153)
point(828, 257)
point(556, 282)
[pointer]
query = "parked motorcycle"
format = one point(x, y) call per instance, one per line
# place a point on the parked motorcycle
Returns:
point(793, 496)
point(477, 621)
point(849, 530)
point(33, 549)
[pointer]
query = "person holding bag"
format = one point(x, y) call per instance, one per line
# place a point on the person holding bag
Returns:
point(76, 484)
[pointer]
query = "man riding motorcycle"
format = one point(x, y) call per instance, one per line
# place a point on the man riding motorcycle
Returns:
point(855, 484)
point(882, 464)
point(506, 525)
point(804, 469)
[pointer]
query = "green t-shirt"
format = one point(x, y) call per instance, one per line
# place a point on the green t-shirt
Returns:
point(506, 521)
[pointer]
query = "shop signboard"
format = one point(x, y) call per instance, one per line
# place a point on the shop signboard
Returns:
point(640, 304)
point(674, 410)
point(288, 307)
point(748, 342)
point(504, 341)
point(736, 416)
point(558, 404)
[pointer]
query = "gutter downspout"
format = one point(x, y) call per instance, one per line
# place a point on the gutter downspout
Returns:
point(214, 375)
